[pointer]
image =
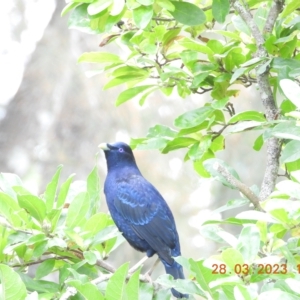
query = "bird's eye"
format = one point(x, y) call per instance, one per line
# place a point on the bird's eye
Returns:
point(121, 150)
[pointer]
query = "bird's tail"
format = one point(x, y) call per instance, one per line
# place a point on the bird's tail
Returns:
point(177, 272)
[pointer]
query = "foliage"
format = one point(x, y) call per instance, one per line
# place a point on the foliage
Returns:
point(195, 47)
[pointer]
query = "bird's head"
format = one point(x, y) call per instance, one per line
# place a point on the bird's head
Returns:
point(117, 154)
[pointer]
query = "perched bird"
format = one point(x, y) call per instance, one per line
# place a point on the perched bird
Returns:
point(139, 211)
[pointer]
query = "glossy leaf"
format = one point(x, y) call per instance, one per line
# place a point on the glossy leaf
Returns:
point(77, 210)
point(132, 287)
point(248, 116)
point(286, 130)
point(87, 290)
point(98, 6)
point(249, 243)
point(188, 13)
point(116, 285)
point(131, 93)
point(34, 205)
point(194, 118)
point(142, 16)
point(290, 152)
point(177, 143)
point(45, 268)
point(12, 286)
point(220, 9)
point(51, 189)
point(232, 257)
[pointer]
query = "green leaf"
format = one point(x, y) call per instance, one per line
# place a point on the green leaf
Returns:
point(131, 93)
point(237, 73)
point(145, 2)
point(44, 268)
point(220, 9)
point(7, 181)
point(79, 19)
point(204, 276)
point(98, 6)
point(68, 8)
point(240, 25)
point(88, 290)
point(124, 79)
point(287, 130)
point(12, 286)
point(77, 210)
point(90, 257)
point(177, 143)
point(290, 152)
point(8, 208)
point(250, 115)
point(146, 291)
point(34, 205)
point(249, 243)
point(290, 8)
point(63, 192)
point(193, 45)
point(277, 294)
point(165, 4)
point(199, 164)
point(142, 16)
point(96, 223)
point(194, 117)
point(116, 284)
point(132, 287)
point(51, 188)
point(93, 190)
point(258, 143)
point(290, 188)
point(291, 90)
point(231, 204)
point(188, 14)
point(257, 216)
point(181, 285)
point(232, 257)
point(99, 57)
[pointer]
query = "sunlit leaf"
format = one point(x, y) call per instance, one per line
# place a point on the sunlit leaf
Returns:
point(188, 13)
point(220, 9)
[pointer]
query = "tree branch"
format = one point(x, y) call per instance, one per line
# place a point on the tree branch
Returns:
point(244, 189)
point(266, 94)
point(275, 10)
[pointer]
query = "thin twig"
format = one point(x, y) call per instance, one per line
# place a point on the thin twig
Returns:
point(244, 189)
point(138, 264)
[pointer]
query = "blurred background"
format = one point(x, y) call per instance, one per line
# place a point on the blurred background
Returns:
point(52, 114)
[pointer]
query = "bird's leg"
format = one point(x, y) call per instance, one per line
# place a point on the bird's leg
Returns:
point(137, 265)
point(153, 267)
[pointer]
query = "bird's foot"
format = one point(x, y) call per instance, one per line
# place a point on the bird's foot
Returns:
point(153, 266)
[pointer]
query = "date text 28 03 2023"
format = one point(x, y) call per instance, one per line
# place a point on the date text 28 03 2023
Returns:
point(245, 269)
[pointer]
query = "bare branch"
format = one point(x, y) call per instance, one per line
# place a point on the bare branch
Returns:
point(31, 263)
point(266, 94)
point(275, 10)
point(245, 190)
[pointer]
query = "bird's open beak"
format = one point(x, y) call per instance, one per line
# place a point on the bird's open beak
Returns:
point(104, 146)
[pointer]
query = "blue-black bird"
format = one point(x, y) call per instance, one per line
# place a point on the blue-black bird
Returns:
point(139, 211)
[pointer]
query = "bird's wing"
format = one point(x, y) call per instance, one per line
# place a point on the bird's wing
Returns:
point(145, 210)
